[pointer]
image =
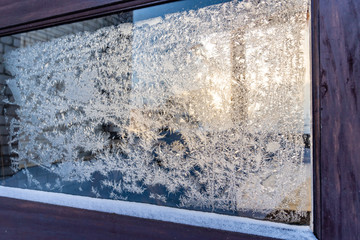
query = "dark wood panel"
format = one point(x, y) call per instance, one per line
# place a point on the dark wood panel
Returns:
point(30, 10)
point(18, 16)
point(30, 220)
point(316, 119)
point(340, 118)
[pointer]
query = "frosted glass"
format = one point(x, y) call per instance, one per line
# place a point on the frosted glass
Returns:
point(205, 109)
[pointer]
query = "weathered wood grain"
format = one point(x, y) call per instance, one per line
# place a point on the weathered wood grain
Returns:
point(339, 72)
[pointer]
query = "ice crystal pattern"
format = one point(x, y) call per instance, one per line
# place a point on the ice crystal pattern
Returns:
point(207, 103)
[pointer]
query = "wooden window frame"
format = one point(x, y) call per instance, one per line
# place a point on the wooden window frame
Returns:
point(335, 102)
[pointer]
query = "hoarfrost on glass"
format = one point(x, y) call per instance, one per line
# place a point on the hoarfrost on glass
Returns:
point(200, 109)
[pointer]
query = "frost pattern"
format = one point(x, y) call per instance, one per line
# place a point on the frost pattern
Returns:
point(207, 104)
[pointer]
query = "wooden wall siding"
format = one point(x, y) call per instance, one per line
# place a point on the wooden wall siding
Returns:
point(29, 220)
point(339, 45)
point(18, 16)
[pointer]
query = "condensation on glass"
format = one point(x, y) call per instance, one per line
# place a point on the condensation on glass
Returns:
point(192, 104)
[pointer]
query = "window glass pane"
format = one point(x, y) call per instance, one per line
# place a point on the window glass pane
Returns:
point(202, 105)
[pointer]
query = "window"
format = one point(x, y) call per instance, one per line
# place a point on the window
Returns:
point(203, 106)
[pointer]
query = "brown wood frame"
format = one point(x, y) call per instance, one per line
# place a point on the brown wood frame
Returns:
point(30, 220)
point(336, 88)
point(21, 16)
point(336, 122)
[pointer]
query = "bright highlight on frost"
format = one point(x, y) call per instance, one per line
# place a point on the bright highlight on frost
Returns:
point(202, 109)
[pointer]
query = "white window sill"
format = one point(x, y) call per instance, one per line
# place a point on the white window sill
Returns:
point(175, 215)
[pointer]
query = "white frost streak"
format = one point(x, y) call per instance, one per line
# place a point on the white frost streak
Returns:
point(227, 79)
